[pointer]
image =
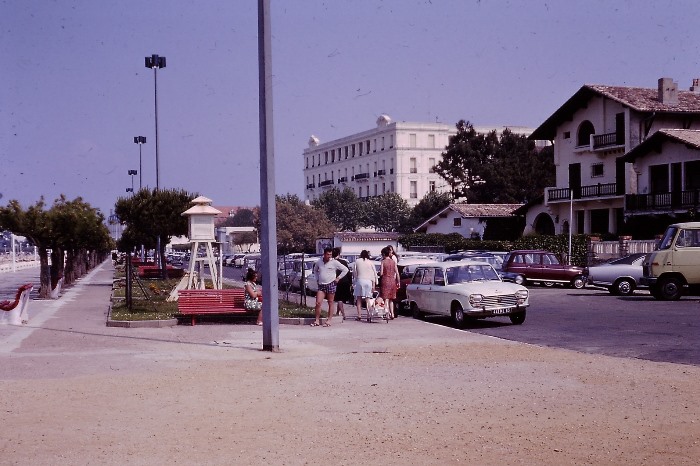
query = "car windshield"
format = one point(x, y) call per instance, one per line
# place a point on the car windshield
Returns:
point(666, 241)
point(469, 273)
point(627, 260)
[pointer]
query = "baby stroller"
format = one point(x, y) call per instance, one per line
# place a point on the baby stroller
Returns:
point(376, 307)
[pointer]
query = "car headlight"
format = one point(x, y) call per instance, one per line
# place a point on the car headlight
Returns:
point(475, 299)
point(521, 295)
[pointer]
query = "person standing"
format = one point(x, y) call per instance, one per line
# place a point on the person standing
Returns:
point(325, 271)
point(343, 293)
point(389, 273)
point(365, 280)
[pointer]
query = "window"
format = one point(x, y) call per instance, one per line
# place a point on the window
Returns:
point(585, 130)
point(326, 157)
point(658, 179)
point(367, 145)
point(375, 145)
point(382, 142)
point(431, 186)
point(431, 164)
point(383, 188)
point(391, 141)
point(413, 168)
point(346, 152)
point(597, 170)
point(439, 277)
point(414, 190)
point(375, 189)
point(457, 221)
point(360, 147)
point(692, 175)
point(412, 141)
point(353, 150)
point(332, 155)
point(431, 141)
point(391, 187)
point(567, 134)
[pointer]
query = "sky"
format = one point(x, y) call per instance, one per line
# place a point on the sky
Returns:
point(74, 90)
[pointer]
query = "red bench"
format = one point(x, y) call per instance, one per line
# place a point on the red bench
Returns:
point(15, 312)
point(199, 302)
point(152, 271)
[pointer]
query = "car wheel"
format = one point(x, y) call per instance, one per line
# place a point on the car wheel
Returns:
point(622, 287)
point(518, 318)
point(578, 282)
point(416, 312)
point(670, 289)
point(458, 316)
point(519, 280)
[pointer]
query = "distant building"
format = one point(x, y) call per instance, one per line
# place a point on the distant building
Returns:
point(394, 157)
point(469, 220)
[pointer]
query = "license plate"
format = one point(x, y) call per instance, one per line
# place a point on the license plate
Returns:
point(501, 311)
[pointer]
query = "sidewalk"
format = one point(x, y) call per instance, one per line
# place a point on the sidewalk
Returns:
point(407, 392)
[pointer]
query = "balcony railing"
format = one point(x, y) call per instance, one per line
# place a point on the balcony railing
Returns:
point(679, 200)
point(342, 179)
point(605, 140)
point(310, 186)
point(325, 183)
point(587, 192)
point(360, 176)
point(379, 173)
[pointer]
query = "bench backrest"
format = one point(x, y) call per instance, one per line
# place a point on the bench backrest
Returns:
point(229, 296)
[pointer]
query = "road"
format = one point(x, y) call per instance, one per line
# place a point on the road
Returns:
point(588, 320)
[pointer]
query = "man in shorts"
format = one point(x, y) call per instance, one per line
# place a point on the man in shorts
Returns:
point(325, 271)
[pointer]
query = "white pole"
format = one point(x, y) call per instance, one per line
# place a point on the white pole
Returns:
point(571, 219)
point(14, 259)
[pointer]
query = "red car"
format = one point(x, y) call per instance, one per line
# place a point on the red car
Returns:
point(523, 266)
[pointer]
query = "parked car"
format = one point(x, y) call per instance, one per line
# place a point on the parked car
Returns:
point(465, 290)
point(620, 276)
point(284, 273)
point(239, 260)
point(301, 271)
point(523, 266)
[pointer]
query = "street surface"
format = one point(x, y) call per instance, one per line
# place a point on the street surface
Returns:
point(590, 320)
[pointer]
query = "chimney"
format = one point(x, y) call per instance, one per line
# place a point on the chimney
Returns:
point(668, 91)
point(696, 86)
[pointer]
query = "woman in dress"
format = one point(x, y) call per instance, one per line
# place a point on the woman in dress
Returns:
point(365, 280)
point(389, 273)
point(253, 296)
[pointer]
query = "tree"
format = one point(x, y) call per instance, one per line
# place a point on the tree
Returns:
point(155, 214)
point(298, 225)
point(486, 169)
point(244, 238)
point(71, 226)
point(432, 203)
point(343, 208)
point(386, 212)
point(242, 218)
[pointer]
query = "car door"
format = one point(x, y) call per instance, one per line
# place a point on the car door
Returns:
point(686, 254)
point(420, 287)
point(438, 299)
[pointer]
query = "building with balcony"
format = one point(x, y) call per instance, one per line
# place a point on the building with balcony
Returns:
point(393, 157)
point(615, 146)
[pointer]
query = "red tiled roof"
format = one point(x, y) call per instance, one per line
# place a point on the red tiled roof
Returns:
point(369, 236)
point(640, 99)
point(689, 137)
point(484, 210)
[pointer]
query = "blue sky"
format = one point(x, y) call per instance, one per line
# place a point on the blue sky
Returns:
point(75, 90)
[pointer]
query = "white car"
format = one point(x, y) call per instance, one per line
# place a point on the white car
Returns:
point(465, 290)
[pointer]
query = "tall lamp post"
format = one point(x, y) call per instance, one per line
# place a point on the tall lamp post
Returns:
point(140, 140)
point(131, 173)
point(154, 62)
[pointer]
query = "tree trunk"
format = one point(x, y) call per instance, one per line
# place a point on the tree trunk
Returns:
point(44, 274)
point(57, 266)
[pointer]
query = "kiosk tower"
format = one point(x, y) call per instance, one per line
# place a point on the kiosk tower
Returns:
point(201, 233)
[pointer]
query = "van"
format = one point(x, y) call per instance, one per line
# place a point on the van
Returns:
point(674, 268)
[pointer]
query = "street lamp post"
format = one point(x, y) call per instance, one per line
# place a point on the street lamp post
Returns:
point(140, 140)
point(131, 173)
point(154, 62)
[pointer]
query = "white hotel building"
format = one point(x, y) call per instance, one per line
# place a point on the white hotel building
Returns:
point(394, 157)
point(391, 158)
